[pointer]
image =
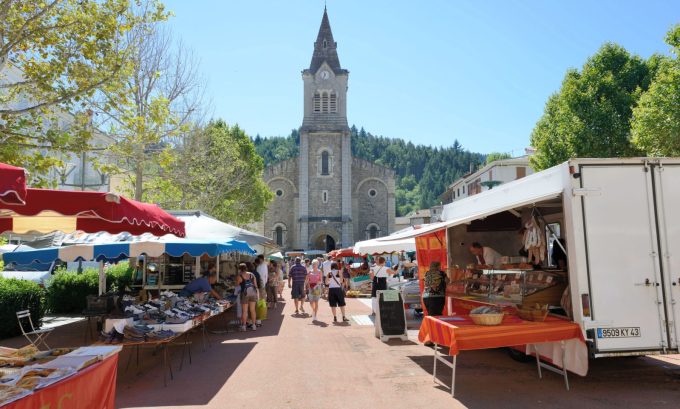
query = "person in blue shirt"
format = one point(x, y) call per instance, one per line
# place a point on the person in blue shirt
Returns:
point(202, 284)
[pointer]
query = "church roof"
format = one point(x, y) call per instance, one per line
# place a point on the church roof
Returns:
point(325, 48)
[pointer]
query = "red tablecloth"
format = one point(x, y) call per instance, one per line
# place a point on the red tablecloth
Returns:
point(92, 388)
point(459, 333)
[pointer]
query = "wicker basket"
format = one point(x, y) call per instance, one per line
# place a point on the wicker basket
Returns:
point(487, 319)
point(532, 314)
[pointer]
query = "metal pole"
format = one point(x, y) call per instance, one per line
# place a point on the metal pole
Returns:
point(102, 278)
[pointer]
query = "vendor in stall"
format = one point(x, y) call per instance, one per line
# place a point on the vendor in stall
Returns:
point(486, 256)
point(202, 284)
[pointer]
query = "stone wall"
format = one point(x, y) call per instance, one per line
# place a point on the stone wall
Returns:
point(282, 179)
point(369, 178)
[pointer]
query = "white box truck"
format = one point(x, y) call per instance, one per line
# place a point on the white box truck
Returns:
point(620, 220)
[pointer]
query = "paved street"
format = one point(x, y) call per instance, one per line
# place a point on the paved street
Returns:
point(292, 363)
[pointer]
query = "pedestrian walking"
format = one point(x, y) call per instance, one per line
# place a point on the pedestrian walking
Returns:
point(262, 272)
point(272, 284)
point(326, 268)
point(248, 295)
point(313, 287)
point(336, 294)
point(296, 282)
point(379, 274)
point(282, 269)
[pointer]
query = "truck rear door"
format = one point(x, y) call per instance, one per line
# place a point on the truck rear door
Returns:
point(667, 190)
point(623, 267)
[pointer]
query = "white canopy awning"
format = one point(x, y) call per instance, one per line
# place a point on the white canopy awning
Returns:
point(538, 187)
point(201, 226)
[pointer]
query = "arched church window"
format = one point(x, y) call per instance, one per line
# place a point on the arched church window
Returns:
point(317, 102)
point(325, 163)
point(373, 231)
point(324, 101)
point(279, 235)
point(334, 102)
point(325, 44)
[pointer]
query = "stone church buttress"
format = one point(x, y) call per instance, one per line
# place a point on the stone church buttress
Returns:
point(326, 199)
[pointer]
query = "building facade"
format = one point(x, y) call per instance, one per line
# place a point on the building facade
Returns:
point(325, 198)
point(491, 175)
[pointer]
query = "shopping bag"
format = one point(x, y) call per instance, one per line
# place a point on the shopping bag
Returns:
point(261, 309)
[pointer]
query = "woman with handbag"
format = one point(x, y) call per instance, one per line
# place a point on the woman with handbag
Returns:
point(248, 296)
point(336, 294)
point(379, 274)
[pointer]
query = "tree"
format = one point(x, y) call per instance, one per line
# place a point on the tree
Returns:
point(590, 115)
point(656, 119)
point(53, 55)
point(165, 94)
point(494, 156)
point(217, 171)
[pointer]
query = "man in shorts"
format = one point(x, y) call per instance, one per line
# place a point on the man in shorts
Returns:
point(296, 281)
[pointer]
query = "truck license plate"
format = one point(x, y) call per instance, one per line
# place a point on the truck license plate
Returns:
point(623, 332)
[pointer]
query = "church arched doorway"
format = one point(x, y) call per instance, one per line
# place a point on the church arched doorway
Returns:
point(325, 242)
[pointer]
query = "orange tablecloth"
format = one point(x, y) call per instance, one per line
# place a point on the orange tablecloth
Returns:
point(92, 388)
point(459, 333)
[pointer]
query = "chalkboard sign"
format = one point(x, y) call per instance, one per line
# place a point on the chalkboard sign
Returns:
point(390, 317)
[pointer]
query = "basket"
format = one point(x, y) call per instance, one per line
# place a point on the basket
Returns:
point(487, 319)
point(539, 315)
point(532, 314)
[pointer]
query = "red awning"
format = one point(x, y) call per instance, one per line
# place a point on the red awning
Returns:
point(348, 252)
point(64, 210)
point(12, 185)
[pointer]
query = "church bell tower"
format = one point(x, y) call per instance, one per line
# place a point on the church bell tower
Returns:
point(325, 196)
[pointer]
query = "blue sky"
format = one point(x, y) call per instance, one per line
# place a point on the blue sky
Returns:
point(426, 71)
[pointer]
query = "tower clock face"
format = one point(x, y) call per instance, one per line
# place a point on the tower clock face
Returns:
point(325, 75)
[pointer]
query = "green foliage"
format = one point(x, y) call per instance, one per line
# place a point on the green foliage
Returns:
point(67, 291)
point(219, 172)
point(494, 156)
point(422, 172)
point(656, 119)
point(590, 115)
point(18, 295)
point(53, 56)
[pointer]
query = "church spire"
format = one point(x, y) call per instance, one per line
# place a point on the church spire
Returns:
point(325, 48)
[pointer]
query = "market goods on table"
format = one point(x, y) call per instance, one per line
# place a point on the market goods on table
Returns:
point(487, 315)
point(21, 381)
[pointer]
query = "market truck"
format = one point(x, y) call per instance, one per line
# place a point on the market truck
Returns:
point(620, 221)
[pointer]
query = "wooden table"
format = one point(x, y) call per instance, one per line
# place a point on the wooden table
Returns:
point(459, 333)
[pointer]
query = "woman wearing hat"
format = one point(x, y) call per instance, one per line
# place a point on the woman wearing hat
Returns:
point(434, 289)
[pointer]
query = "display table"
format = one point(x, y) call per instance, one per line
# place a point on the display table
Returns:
point(92, 387)
point(459, 333)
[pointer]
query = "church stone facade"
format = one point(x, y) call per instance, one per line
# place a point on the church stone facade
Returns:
point(325, 198)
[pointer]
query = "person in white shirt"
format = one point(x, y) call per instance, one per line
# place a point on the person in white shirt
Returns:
point(486, 256)
point(262, 271)
point(379, 273)
point(336, 295)
point(326, 270)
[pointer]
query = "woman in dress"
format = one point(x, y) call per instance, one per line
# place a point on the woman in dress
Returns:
point(313, 288)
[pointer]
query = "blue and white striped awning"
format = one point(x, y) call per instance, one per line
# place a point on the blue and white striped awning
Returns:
point(119, 250)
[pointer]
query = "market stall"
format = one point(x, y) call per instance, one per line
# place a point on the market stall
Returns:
point(460, 333)
point(177, 260)
point(75, 378)
point(45, 211)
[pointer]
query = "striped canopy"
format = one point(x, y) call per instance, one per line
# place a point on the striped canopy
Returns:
point(116, 251)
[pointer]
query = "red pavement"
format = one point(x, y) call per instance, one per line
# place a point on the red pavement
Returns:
point(292, 363)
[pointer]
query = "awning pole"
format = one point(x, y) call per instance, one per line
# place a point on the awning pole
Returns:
point(102, 278)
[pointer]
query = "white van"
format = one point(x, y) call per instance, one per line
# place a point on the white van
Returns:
point(620, 219)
